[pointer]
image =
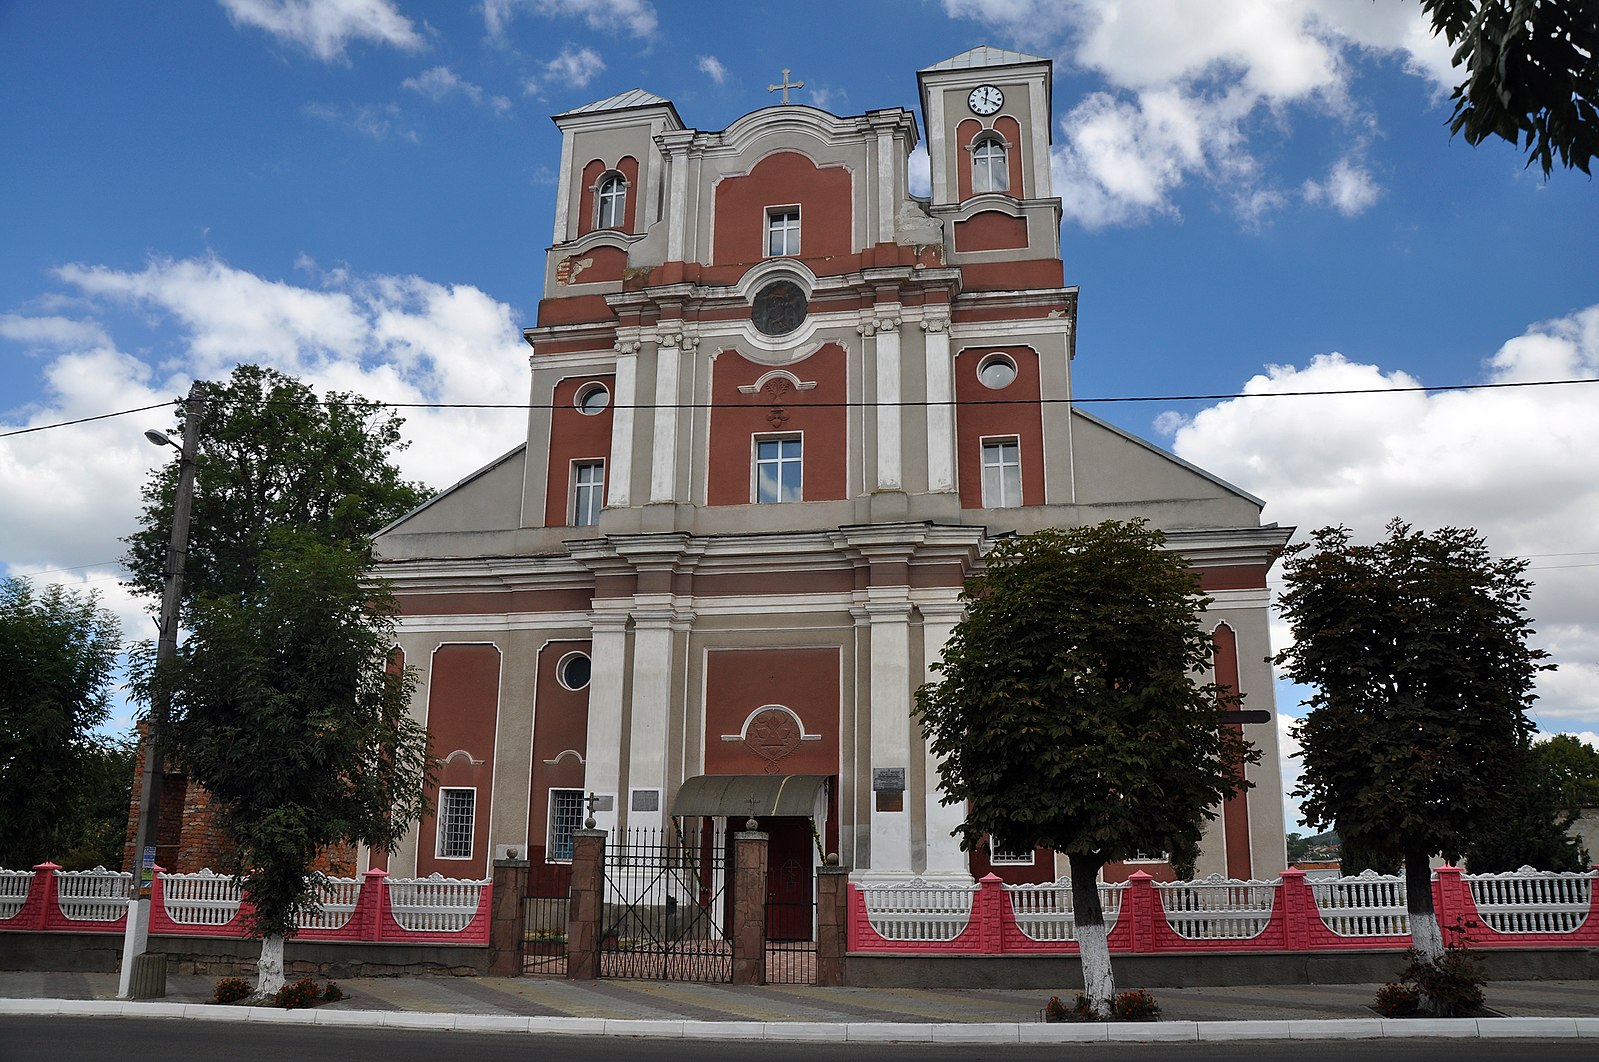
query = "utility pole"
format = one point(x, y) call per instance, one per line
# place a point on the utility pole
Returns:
point(144, 976)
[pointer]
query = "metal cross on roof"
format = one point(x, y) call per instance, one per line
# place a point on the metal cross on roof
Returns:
point(786, 85)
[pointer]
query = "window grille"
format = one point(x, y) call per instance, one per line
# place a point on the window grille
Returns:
point(456, 807)
point(566, 818)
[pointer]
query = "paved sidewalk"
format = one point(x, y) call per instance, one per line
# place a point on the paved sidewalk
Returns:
point(1531, 1008)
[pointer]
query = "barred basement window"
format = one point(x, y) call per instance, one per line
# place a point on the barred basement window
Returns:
point(1003, 853)
point(456, 809)
point(566, 818)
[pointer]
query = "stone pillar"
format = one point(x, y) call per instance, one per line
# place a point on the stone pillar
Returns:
point(832, 924)
point(619, 490)
point(602, 762)
point(940, 407)
point(890, 459)
point(506, 922)
point(749, 908)
point(945, 860)
point(663, 462)
point(586, 907)
point(651, 708)
point(891, 733)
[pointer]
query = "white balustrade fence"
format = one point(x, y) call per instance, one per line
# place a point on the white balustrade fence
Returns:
point(917, 910)
point(336, 898)
point(1217, 908)
point(1368, 905)
point(1532, 901)
point(203, 898)
point(14, 886)
point(97, 895)
point(1044, 911)
point(435, 904)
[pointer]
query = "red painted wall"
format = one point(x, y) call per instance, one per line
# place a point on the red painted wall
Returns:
point(463, 706)
point(738, 416)
point(560, 724)
point(974, 421)
point(990, 231)
point(1235, 810)
point(787, 178)
point(575, 436)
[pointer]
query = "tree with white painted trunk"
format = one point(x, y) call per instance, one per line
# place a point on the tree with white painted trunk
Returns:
point(1073, 711)
point(1416, 649)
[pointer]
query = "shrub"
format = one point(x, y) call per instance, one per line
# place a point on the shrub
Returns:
point(1395, 1000)
point(302, 993)
point(1453, 984)
point(232, 989)
point(1137, 1005)
point(333, 993)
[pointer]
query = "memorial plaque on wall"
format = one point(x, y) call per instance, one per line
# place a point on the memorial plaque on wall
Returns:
point(888, 779)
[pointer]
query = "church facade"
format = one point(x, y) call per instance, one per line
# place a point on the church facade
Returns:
point(779, 409)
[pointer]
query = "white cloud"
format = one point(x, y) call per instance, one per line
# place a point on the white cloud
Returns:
point(712, 67)
point(1515, 463)
point(70, 493)
point(440, 81)
point(326, 27)
point(1349, 188)
point(575, 66)
point(1186, 85)
point(635, 16)
point(376, 120)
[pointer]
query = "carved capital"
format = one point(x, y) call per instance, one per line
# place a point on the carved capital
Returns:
point(627, 346)
point(935, 324)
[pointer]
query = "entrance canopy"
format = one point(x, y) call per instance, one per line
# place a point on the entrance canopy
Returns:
point(741, 796)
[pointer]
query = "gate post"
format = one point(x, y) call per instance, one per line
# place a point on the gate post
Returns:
point(507, 925)
point(832, 922)
point(749, 907)
point(585, 907)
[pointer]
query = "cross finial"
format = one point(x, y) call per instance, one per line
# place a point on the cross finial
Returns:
point(786, 85)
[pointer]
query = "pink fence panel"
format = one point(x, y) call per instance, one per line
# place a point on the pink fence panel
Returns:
point(86, 901)
point(1523, 908)
point(435, 910)
point(918, 916)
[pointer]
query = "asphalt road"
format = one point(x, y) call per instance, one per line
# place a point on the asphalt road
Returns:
point(24, 1039)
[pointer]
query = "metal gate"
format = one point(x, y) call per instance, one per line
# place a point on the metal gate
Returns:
point(665, 914)
point(544, 913)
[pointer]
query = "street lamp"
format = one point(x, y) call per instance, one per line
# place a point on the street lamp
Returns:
point(143, 976)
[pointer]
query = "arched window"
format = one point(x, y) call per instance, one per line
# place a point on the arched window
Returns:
point(612, 201)
point(990, 165)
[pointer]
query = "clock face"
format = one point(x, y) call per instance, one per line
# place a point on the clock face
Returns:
point(985, 99)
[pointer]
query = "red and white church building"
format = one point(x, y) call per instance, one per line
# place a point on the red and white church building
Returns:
point(780, 406)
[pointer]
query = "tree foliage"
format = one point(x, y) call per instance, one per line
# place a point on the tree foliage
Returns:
point(1553, 782)
point(1071, 712)
point(1416, 650)
point(272, 456)
point(1532, 75)
point(58, 652)
point(283, 706)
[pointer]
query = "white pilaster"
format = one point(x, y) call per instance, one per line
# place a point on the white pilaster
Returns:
point(619, 491)
point(602, 753)
point(668, 363)
point(890, 690)
point(940, 408)
point(945, 860)
point(886, 186)
point(677, 199)
point(652, 705)
point(890, 460)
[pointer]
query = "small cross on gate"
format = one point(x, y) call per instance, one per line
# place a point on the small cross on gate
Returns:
point(589, 823)
point(786, 85)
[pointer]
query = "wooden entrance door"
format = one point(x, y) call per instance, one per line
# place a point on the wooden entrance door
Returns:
point(790, 891)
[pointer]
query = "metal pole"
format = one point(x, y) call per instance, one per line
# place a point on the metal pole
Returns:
point(144, 838)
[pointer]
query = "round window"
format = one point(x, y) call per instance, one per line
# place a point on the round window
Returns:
point(574, 670)
point(997, 371)
point(779, 308)
point(592, 398)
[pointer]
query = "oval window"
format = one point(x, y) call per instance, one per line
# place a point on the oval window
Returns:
point(996, 372)
point(574, 671)
point(592, 399)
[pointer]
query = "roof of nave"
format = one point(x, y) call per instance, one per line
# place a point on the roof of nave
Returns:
point(983, 55)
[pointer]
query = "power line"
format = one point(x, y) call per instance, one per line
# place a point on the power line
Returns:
point(908, 403)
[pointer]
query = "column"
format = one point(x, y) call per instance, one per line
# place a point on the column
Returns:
point(940, 410)
point(749, 908)
point(890, 689)
point(651, 710)
point(506, 918)
point(584, 908)
point(619, 489)
point(669, 357)
point(889, 458)
point(602, 755)
point(945, 860)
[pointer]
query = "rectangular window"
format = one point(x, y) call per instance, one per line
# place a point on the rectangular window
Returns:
point(1002, 473)
point(1002, 853)
point(588, 492)
point(777, 469)
point(566, 818)
point(456, 809)
point(782, 231)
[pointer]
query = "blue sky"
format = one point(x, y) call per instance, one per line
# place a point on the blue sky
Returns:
point(1260, 196)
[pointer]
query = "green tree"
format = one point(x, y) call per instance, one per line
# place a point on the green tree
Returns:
point(1416, 648)
point(1071, 712)
point(283, 707)
point(1551, 785)
point(58, 652)
point(1571, 768)
point(1532, 75)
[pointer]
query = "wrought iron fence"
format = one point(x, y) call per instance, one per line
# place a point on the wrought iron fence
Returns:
point(665, 915)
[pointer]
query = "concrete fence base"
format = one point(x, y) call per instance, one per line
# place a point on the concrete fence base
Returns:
point(230, 957)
